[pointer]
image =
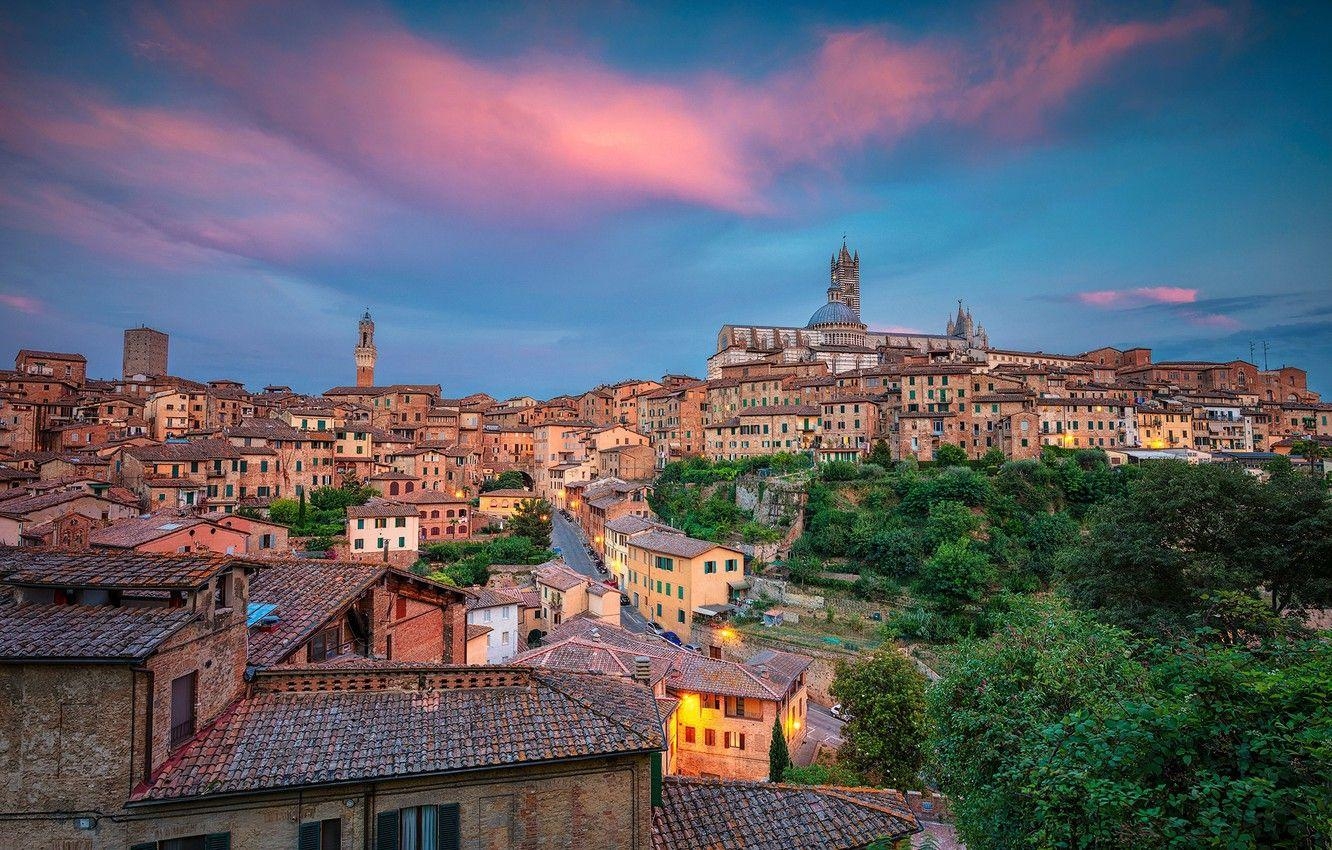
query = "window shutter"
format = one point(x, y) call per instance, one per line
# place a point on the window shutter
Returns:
point(386, 831)
point(307, 838)
point(217, 841)
point(449, 827)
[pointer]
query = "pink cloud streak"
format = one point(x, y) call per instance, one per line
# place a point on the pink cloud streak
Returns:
point(21, 303)
point(322, 134)
point(1139, 295)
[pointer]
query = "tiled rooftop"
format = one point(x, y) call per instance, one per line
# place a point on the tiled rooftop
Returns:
point(307, 592)
point(310, 727)
point(110, 569)
point(706, 814)
point(380, 508)
point(69, 632)
point(672, 543)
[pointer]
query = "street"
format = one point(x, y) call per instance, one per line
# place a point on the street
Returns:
point(822, 728)
point(569, 539)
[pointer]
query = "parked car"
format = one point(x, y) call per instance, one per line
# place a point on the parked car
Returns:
point(656, 628)
point(672, 637)
point(624, 599)
point(693, 647)
point(839, 712)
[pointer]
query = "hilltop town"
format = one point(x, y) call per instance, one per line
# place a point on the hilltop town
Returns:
point(244, 617)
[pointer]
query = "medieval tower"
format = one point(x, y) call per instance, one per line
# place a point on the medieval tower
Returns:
point(365, 352)
point(845, 272)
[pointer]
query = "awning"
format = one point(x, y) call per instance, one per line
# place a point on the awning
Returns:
point(738, 584)
point(713, 610)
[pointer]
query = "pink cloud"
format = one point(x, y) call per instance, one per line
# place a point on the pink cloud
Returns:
point(1211, 320)
point(324, 125)
point(543, 132)
point(21, 303)
point(1138, 296)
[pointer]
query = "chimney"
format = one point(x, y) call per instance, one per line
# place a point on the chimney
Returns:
point(595, 634)
point(642, 669)
point(762, 670)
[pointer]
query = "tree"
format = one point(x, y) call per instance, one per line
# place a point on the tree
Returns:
point(300, 511)
point(880, 455)
point(510, 479)
point(1181, 534)
point(950, 455)
point(955, 576)
point(993, 460)
point(803, 569)
point(779, 756)
point(997, 697)
point(950, 521)
point(885, 736)
point(824, 774)
point(532, 519)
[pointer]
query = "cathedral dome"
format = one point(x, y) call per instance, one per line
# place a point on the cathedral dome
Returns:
point(833, 313)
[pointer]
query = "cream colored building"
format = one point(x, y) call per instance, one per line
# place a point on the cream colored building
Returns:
point(381, 526)
point(672, 576)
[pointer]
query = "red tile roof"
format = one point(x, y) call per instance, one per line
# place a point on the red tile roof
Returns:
point(381, 508)
point(704, 814)
point(307, 593)
point(129, 570)
point(302, 728)
point(73, 632)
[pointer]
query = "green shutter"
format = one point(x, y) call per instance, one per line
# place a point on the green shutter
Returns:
point(386, 831)
point(307, 838)
point(449, 827)
point(656, 780)
point(217, 841)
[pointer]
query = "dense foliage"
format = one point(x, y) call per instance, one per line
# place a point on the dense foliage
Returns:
point(1060, 731)
point(509, 480)
point(324, 513)
point(885, 737)
point(532, 519)
point(466, 563)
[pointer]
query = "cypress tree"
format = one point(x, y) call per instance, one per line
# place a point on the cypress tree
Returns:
point(779, 756)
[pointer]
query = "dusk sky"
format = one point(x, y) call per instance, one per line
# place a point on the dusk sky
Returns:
point(535, 199)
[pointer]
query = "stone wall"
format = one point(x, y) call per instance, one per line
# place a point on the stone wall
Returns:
point(783, 592)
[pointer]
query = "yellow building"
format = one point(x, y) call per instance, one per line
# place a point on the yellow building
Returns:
point(503, 503)
point(672, 575)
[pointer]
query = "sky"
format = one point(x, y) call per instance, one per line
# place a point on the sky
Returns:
point(536, 198)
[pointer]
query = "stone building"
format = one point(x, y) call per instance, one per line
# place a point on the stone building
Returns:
point(144, 352)
point(365, 352)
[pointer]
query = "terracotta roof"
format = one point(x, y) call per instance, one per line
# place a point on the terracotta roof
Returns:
point(52, 355)
point(781, 667)
point(307, 593)
point(26, 504)
point(558, 575)
point(430, 497)
point(111, 569)
point(380, 508)
point(704, 814)
point(476, 630)
point(210, 449)
point(490, 597)
point(674, 543)
point(631, 524)
point(128, 533)
point(422, 721)
point(71, 632)
point(510, 494)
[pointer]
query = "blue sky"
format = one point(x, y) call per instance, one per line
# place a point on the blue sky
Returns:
point(535, 199)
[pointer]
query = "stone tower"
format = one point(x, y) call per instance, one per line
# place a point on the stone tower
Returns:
point(845, 273)
point(365, 352)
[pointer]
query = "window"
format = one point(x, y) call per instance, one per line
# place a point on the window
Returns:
point(730, 565)
point(183, 691)
point(320, 835)
point(665, 563)
point(689, 735)
point(709, 566)
point(419, 828)
point(324, 644)
point(360, 544)
point(735, 740)
point(735, 707)
point(679, 615)
point(400, 608)
point(710, 737)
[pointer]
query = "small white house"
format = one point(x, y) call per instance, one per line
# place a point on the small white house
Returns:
point(497, 610)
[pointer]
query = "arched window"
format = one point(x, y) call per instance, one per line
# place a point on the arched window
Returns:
point(450, 512)
point(393, 488)
point(434, 514)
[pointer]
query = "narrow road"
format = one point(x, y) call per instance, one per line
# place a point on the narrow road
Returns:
point(568, 537)
point(821, 728)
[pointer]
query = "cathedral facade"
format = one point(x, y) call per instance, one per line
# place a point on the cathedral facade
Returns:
point(836, 335)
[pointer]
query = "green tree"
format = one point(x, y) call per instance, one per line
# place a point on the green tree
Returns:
point(301, 510)
point(886, 698)
point(821, 774)
point(955, 576)
point(993, 460)
point(1182, 534)
point(779, 755)
point(997, 697)
point(949, 522)
point(285, 511)
point(880, 455)
point(510, 479)
point(532, 519)
point(950, 455)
